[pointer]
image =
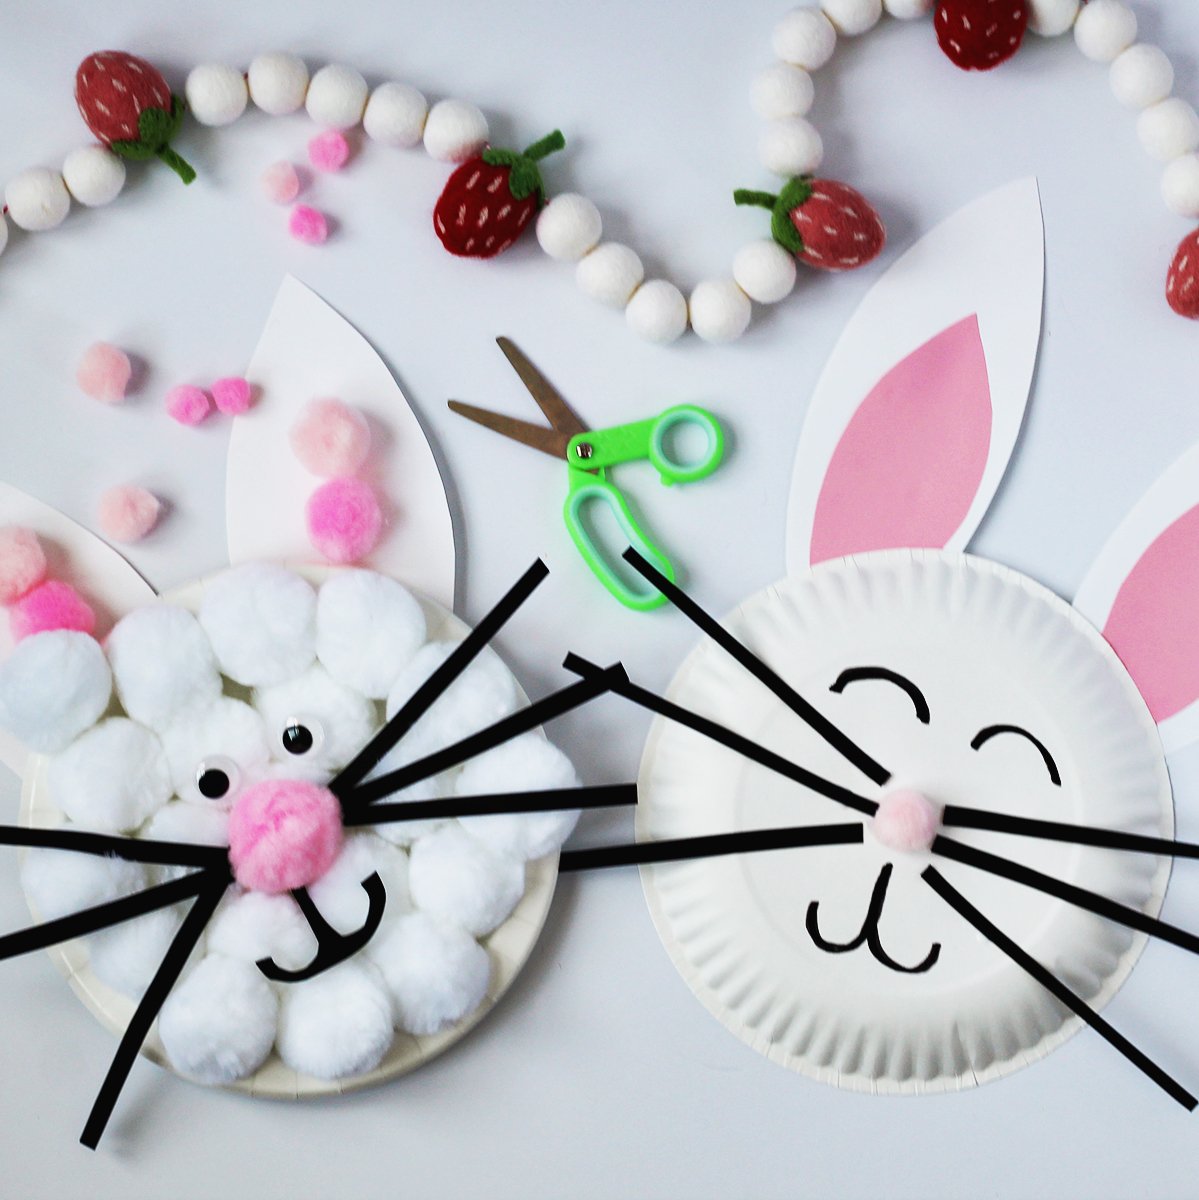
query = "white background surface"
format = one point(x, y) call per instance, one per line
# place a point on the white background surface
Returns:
point(599, 1075)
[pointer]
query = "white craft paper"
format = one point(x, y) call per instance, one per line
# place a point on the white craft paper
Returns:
point(307, 350)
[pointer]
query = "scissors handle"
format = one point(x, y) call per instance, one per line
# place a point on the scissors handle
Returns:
point(600, 448)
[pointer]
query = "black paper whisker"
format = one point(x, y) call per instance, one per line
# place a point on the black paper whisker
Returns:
point(1056, 987)
point(760, 670)
point(131, 849)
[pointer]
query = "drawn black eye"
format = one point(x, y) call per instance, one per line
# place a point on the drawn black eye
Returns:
point(302, 735)
point(991, 731)
point(216, 778)
point(858, 674)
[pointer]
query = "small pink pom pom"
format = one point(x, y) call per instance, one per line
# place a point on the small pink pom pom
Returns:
point(51, 605)
point(307, 225)
point(232, 395)
point(104, 373)
point(188, 405)
point(907, 820)
point(330, 438)
point(22, 562)
point(128, 513)
point(344, 520)
point(329, 151)
point(280, 183)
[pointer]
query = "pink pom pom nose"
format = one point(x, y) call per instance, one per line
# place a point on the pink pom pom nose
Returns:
point(907, 820)
point(283, 834)
point(50, 605)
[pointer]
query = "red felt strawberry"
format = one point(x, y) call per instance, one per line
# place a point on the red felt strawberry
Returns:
point(1182, 284)
point(977, 35)
point(128, 106)
point(826, 224)
point(488, 201)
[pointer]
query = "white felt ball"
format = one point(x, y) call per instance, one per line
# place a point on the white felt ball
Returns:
point(909, 10)
point(852, 17)
point(339, 893)
point(261, 620)
point(720, 310)
point(94, 175)
point(805, 37)
point(162, 664)
point(59, 882)
point(278, 83)
point(782, 90)
point(336, 97)
point(3, 233)
point(790, 146)
point(250, 926)
point(180, 821)
point(37, 199)
point(568, 227)
point(218, 1024)
point(227, 735)
point(454, 876)
point(657, 312)
point(1168, 129)
point(455, 130)
point(436, 972)
point(1141, 76)
point(1105, 29)
point(368, 627)
point(126, 956)
point(216, 93)
point(1180, 185)
point(610, 273)
point(764, 271)
point(112, 778)
point(395, 115)
point(338, 1024)
point(53, 686)
point(1052, 18)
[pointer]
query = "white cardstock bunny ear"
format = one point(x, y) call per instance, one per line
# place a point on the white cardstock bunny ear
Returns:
point(307, 351)
point(914, 419)
point(1142, 592)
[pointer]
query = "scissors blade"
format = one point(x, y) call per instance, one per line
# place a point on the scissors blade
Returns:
point(548, 441)
point(559, 414)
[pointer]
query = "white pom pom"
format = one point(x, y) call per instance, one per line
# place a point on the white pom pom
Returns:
point(455, 130)
point(278, 83)
point(3, 233)
point(764, 271)
point(126, 956)
point(454, 876)
point(1180, 185)
point(436, 973)
point(368, 628)
point(179, 821)
point(228, 736)
point(338, 1024)
point(216, 93)
point(1141, 76)
point(59, 882)
point(1168, 129)
point(218, 1025)
point(908, 10)
point(112, 777)
point(657, 312)
point(395, 115)
point(261, 621)
point(419, 742)
point(610, 273)
point(853, 17)
point(1105, 29)
point(336, 97)
point(339, 894)
point(568, 227)
point(526, 763)
point(790, 146)
point(782, 90)
point(719, 309)
point(805, 37)
point(53, 686)
point(253, 925)
point(37, 199)
point(94, 175)
point(1052, 18)
point(162, 664)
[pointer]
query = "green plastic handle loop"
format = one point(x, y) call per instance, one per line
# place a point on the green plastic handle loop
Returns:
point(601, 448)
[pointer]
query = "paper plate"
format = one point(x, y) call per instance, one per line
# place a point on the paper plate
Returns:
point(508, 946)
point(987, 647)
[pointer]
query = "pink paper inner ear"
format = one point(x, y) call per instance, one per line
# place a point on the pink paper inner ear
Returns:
point(912, 457)
point(1152, 625)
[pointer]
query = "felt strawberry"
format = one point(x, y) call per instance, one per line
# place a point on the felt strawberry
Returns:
point(828, 225)
point(978, 35)
point(488, 201)
point(128, 106)
point(1182, 284)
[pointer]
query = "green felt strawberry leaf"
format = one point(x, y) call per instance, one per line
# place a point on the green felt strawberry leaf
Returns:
point(156, 127)
point(795, 194)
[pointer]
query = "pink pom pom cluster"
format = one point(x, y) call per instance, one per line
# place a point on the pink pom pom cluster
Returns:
point(189, 405)
point(36, 604)
point(282, 183)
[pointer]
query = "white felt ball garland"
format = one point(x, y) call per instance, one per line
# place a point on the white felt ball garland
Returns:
point(217, 94)
point(278, 83)
point(93, 175)
point(395, 115)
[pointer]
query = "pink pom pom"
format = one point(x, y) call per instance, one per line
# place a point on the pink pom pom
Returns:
point(280, 183)
point(188, 405)
point(51, 605)
point(307, 225)
point(104, 373)
point(907, 820)
point(330, 438)
point(329, 151)
point(22, 562)
point(283, 834)
point(128, 513)
point(344, 520)
point(232, 395)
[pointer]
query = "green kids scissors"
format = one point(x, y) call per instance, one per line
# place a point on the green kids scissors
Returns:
point(589, 453)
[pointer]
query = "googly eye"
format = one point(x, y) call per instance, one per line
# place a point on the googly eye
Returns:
point(302, 735)
point(216, 777)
